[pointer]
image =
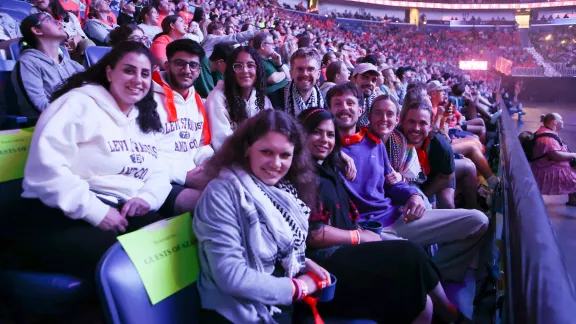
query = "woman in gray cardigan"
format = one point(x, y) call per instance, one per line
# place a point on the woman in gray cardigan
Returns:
point(251, 222)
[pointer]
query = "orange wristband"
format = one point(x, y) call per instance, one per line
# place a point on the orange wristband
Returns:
point(320, 284)
point(354, 237)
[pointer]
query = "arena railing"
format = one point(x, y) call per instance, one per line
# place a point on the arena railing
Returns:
point(538, 287)
point(528, 71)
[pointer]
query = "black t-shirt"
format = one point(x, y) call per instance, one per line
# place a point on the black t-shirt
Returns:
point(440, 156)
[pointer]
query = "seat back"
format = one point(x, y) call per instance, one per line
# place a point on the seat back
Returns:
point(15, 51)
point(124, 298)
point(20, 6)
point(17, 15)
point(95, 53)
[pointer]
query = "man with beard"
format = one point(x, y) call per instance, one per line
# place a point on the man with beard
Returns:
point(398, 207)
point(185, 140)
point(365, 76)
point(302, 92)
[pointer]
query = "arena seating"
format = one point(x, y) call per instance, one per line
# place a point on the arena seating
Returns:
point(95, 53)
point(125, 300)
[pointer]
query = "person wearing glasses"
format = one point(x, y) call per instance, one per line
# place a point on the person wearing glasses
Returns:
point(130, 32)
point(186, 132)
point(241, 95)
point(276, 76)
point(41, 68)
point(77, 41)
point(302, 92)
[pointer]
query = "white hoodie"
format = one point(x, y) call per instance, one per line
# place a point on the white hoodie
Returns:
point(83, 141)
point(218, 115)
point(182, 142)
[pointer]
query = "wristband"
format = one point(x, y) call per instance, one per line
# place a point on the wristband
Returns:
point(303, 289)
point(320, 284)
point(354, 237)
point(294, 288)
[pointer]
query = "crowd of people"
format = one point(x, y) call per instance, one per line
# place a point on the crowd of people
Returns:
point(280, 135)
point(558, 46)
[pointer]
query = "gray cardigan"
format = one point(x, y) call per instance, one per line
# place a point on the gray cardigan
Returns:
point(226, 222)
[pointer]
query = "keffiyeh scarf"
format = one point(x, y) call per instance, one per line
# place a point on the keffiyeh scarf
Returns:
point(363, 120)
point(294, 104)
point(403, 158)
point(286, 217)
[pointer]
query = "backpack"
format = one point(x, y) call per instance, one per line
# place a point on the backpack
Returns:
point(528, 140)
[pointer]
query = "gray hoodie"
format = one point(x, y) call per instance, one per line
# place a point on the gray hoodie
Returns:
point(37, 76)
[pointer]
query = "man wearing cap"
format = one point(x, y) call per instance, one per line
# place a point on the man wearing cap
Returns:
point(437, 93)
point(126, 16)
point(365, 76)
point(405, 75)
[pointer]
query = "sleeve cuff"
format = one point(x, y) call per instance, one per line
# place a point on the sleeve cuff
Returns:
point(179, 177)
point(97, 214)
point(150, 199)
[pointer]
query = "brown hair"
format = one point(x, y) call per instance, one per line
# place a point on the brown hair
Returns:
point(306, 52)
point(233, 152)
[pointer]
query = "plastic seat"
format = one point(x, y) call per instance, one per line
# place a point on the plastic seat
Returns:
point(95, 53)
point(124, 298)
point(15, 50)
point(20, 6)
point(26, 292)
point(15, 14)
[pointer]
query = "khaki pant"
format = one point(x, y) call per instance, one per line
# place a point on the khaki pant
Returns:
point(457, 231)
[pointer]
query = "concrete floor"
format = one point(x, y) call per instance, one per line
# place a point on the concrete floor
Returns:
point(562, 217)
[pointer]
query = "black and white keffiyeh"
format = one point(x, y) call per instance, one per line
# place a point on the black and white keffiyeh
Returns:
point(294, 104)
point(363, 120)
point(295, 213)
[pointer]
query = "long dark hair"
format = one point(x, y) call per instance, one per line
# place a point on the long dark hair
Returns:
point(233, 153)
point(166, 25)
point(57, 11)
point(310, 119)
point(28, 37)
point(148, 118)
point(234, 100)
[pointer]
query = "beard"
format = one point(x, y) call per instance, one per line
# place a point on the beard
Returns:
point(178, 82)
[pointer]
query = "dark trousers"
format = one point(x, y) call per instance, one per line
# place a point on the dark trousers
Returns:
point(209, 316)
point(45, 240)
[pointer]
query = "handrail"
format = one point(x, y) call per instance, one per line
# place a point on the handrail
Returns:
point(539, 289)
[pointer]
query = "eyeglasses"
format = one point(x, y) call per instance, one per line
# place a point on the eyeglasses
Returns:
point(181, 64)
point(47, 19)
point(140, 39)
point(239, 67)
point(309, 70)
point(268, 43)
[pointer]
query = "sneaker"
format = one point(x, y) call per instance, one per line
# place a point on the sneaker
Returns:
point(521, 113)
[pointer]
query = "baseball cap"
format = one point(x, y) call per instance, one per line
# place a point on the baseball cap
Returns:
point(435, 85)
point(365, 67)
point(223, 50)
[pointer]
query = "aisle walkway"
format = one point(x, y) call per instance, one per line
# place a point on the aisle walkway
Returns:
point(563, 218)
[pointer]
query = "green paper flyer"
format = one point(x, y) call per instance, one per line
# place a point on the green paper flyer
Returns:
point(165, 255)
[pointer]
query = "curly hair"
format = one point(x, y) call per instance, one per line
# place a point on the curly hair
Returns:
point(148, 118)
point(233, 153)
point(235, 102)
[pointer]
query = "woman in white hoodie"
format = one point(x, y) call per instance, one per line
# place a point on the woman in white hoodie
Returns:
point(241, 95)
point(94, 170)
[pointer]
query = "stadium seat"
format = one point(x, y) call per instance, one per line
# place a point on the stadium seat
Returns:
point(95, 53)
point(16, 14)
point(15, 50)
point(26, 292)
point(124, 298)
point(21, 6)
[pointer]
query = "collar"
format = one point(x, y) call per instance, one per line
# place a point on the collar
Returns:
point(358, 137)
